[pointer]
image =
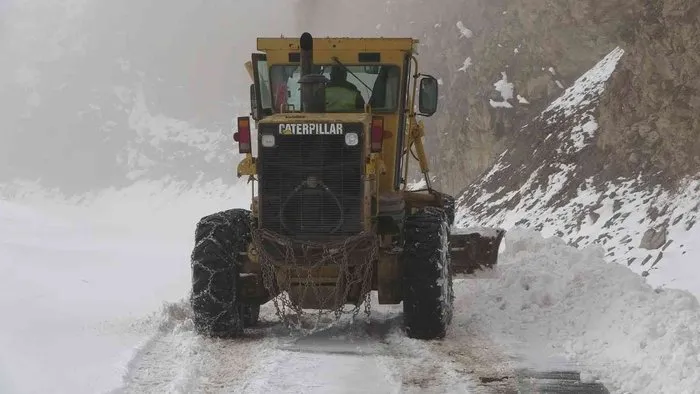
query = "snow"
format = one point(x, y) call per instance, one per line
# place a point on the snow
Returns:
point(505, 88)
point(464, 32)
point(110, 277)
point(549, 299)
point(590, 84)
point(622, 219)
point(69, 300)
point(582, 133)
point(467, 63)
point(79, 281)
point(522, 100)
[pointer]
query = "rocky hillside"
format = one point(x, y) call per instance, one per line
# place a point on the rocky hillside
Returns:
point(500, 62)
point(556, 179)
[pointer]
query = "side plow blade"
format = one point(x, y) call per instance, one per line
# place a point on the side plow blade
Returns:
point(474, 248)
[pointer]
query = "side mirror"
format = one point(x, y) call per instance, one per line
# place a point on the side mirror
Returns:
point(253, 104)
point(428, 96)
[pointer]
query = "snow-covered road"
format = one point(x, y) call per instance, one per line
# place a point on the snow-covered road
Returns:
point(100, 308)
point(350, 357)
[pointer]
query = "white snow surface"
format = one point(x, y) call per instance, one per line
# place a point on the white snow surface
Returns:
point(549, 298)
point(79, 281)
point(467, 63)
point(590, 84)
point(93, 293)
point(505, 88)
point(464, 31)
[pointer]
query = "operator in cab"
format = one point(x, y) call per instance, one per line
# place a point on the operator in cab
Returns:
point(341, 95)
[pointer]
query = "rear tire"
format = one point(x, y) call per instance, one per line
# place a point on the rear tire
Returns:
point(220, 239)
point(427, 280)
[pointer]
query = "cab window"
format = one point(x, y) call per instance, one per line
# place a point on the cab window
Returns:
point(378, 85)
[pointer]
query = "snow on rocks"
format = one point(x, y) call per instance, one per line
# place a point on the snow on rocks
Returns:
point(463, 31)
point(550, 298)
point(505, 88)
point(554, 180)
point(467, 63)
point(590, 85)
point(615, 217)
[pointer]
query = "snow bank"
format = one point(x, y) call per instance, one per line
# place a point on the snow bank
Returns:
point(73, 296)
point(618, 217)
point(552, 298)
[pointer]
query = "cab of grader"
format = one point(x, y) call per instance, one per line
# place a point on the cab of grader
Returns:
point(333, 218)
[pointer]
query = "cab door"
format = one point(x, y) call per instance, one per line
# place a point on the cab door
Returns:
point(260, 92)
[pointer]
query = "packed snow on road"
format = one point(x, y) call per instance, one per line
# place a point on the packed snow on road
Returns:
point(94, 299)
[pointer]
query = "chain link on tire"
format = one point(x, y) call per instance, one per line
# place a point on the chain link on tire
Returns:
point(220, 240)
point(427, 279)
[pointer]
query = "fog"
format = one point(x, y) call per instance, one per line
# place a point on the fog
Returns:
point(100, 93)
point(73, 73)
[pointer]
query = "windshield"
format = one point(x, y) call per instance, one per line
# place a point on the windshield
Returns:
point(376, 85)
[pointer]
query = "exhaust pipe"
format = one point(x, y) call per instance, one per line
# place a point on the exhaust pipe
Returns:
point(313, 86)
point(306, 44)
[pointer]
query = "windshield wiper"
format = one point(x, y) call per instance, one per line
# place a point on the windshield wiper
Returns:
point(338, 62)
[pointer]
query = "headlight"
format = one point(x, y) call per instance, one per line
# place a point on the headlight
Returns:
point(268, 140)
point(351, 139)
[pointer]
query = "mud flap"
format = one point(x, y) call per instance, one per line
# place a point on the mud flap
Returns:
point(474, 249)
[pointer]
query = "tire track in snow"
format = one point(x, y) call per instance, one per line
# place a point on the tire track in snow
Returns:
point(357, 357)
point(349, 357)
point(177, 360)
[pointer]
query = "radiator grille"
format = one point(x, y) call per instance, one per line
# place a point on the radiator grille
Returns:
point(311, 185)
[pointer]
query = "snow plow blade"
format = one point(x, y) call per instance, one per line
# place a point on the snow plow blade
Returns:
point(474, 249)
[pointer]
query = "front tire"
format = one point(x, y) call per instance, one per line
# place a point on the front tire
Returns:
point(220, 241)
point(427, 279)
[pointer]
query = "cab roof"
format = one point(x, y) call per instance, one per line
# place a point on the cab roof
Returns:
point(360, 44)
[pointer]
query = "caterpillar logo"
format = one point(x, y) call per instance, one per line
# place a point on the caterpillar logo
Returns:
point(311, 129)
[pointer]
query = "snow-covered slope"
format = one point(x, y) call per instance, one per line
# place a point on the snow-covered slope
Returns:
point(555, 180)
point(72, 298)
point(549, 299)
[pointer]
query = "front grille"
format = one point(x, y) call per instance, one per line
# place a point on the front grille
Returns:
point(310, 185)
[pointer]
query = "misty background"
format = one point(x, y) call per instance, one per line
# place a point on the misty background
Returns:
point(101, 93)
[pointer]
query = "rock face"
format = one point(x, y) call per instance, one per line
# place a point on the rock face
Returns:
point(650, 115)
point(615, 161)
point(653, 239)
point(555, 179)
point(540, 47)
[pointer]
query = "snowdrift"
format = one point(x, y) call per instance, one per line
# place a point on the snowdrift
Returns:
point(81, 276)
point(548, 298)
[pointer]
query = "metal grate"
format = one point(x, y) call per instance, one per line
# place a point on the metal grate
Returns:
point(311, 185)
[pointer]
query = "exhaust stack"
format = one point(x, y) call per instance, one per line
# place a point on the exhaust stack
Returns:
point(313, 86)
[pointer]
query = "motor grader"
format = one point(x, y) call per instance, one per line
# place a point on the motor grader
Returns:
point(333, 216)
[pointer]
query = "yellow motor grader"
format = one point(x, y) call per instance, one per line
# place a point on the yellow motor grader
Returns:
point(333, 216)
